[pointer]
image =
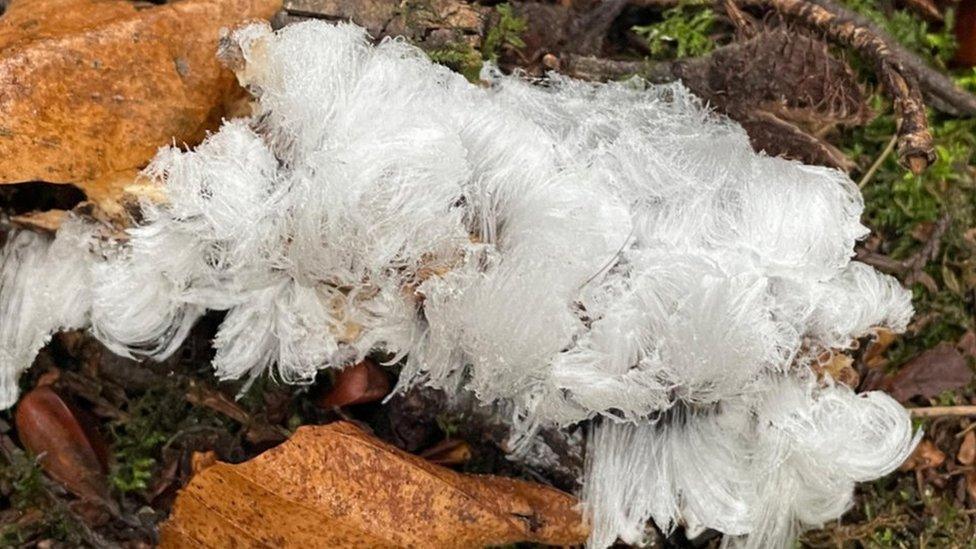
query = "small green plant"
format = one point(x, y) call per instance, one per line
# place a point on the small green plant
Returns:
point(459, 57)
point(154, 419)
point(506, 33)
point(22, 484)
point(684, 31)
point(24, 479)
point(462, 57)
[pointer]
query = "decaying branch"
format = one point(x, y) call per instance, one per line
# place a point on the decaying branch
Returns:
point(915, 148)
point(939, 90)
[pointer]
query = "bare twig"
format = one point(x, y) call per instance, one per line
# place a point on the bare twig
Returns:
point(939, 90)
point(943, 411)
point(915, 148)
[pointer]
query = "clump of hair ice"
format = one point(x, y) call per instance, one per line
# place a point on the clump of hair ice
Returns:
point(611, 253)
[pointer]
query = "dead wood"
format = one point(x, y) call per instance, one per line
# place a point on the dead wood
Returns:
point(915, 148)
point(939, 90)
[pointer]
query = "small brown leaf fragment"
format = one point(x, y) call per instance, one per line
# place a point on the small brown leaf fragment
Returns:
point(874, 353)
point(926, 456)
point(69, 450)
point(358, 384)
point(838, 366)
point(941, 368)
point(336, 486)
point(92, 88)
point(202, 460)
point(967, 450)
point(448, 452)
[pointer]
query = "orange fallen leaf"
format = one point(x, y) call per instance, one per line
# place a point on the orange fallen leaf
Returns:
point(336, 486)
point(69, 449)
point(92, 88)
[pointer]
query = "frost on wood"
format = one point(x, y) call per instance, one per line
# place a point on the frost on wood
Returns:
point(575, 251)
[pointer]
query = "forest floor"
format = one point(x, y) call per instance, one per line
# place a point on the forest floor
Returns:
point(923, 231)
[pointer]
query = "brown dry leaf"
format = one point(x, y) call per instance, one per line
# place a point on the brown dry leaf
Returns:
point(68, 447)
point(967, 450)
point(358, 384)
point(941, 368)
point(336, 486)
point(926, 456)
point(839, 367)
point(874, 353)
point(92, 88)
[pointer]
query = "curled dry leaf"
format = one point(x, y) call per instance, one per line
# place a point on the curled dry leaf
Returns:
point(358, 384)
point(68, 447)
point(926, 456)
point(91, 88)
point(941, 368)
point(838, 366)
point(967, 450)
point(873, 356)
point(336, 486)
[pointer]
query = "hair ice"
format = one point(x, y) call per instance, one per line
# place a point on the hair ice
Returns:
point(577, 251)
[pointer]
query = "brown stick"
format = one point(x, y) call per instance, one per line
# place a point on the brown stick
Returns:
point(939, 90)
point(915, 148)
point(943, 411)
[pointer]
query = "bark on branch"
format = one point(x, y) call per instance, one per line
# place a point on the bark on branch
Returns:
point(915, 147)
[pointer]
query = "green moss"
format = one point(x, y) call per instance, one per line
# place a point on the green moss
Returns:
point(683, 31)
point(22, 487)
point(459, 57)
point(155, 418)
point(937, 44)
point(507, 32)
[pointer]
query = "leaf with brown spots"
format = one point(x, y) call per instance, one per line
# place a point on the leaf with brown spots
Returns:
point(336, 486)
point(90, 89)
